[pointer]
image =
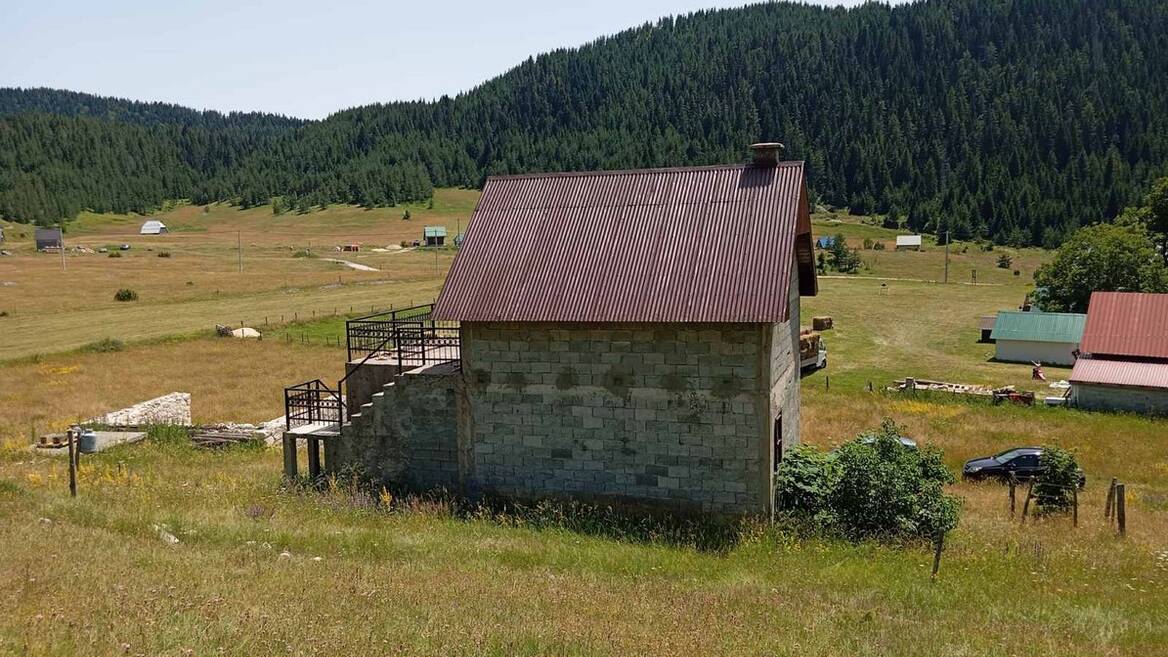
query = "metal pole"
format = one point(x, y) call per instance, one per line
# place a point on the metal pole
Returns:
point(239, 249)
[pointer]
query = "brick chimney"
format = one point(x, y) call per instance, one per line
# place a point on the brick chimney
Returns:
point(767, 153)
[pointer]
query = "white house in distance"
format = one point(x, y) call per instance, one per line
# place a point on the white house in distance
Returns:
point(152, 227)
point(1036, 337)
point(908, 242)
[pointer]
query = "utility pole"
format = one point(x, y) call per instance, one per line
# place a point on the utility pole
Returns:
point(61, 243)
point(946, 256)
point(239, 249)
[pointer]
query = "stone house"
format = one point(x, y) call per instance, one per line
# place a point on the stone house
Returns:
point(642, 348)
point(1123, 365)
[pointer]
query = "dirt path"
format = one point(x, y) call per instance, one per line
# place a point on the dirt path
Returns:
point(352, 265)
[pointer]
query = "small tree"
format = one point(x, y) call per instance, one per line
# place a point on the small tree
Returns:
point(871, 487)
point(841, 258)
point(125, 294)
point(1052, 490)
point(1104, 257)
point(406, 216)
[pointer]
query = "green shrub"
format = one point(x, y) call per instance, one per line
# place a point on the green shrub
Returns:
point(125, 294)
point(164, 254)
point(870, 488)
point(804, 481)
point(1004, 261)
point(878, 246)
point(115, 254)
point(1052, 490)
point(105, 345)
point(3, 313)
point(304, 253)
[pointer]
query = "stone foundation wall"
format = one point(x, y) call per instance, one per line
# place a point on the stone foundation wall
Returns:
point(174, 408)
point(651, 413)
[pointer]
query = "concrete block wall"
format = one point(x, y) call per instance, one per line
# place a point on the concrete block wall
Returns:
point(785, 372)
point(660, 413)
point(407, 434)
point(1149, 401)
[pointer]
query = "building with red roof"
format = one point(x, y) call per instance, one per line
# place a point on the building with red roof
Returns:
point(1123, 363)
point(628, 336)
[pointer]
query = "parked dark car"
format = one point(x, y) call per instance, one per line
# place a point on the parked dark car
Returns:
point(1024, 462)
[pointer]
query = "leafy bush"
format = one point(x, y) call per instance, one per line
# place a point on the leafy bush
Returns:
point(868, 243)
point(406, 216)
point(115, 254)
point(1052, 491)
point(805, 480)
point(871, 487)
point(304, 253)
point(164, 254)
point(878, 246)
point(3, 313)
point(1004, 261)
point(105, 345)
point(125, 294)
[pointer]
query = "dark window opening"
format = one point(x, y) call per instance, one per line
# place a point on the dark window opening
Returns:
point(777, 446)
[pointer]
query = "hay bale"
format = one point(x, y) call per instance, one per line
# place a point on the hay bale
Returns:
point(822, 323)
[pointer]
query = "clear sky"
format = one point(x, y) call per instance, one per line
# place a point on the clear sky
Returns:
point(304, 58)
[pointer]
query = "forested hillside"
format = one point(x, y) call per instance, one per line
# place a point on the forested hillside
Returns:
point(1010, 119)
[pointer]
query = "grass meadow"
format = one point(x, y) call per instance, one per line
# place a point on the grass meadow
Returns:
point(261, 569)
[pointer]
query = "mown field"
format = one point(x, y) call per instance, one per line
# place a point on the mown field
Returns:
point(200, 284)
point(262, 570)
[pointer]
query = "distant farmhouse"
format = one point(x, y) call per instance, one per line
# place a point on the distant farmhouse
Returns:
point(1124, 361)
point(908, 242)
point(48, 239)
point(152, 227)
point(603, 346)
point(1036, 337)
point(434, 235)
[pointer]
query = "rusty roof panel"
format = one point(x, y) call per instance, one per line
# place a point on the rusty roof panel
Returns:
point(1133, 324)
point(1120, 373)
point(699, 244)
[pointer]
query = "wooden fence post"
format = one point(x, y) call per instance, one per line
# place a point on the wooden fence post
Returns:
point(1110, 506)
point(937, 548)
point(72, 464)
point(1121, 508)
point(1026, 505)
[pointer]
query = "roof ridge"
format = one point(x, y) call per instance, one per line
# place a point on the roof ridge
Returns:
point(626, 172)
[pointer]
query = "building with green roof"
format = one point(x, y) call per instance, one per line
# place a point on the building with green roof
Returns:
point(1037, 337)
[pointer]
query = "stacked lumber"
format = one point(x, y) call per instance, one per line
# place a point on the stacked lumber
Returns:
point(215, 438)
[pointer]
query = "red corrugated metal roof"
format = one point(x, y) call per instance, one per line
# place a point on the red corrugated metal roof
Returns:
point(696, 244)
point(1127, 324)
point(1120, 373)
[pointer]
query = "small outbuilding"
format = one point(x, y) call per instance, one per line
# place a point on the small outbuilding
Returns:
point(908, 242)
point(1124, 360)
point(48, 239)
point(1035, 337)
point(985, 326)
point(152, 227)
point(434, 235)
